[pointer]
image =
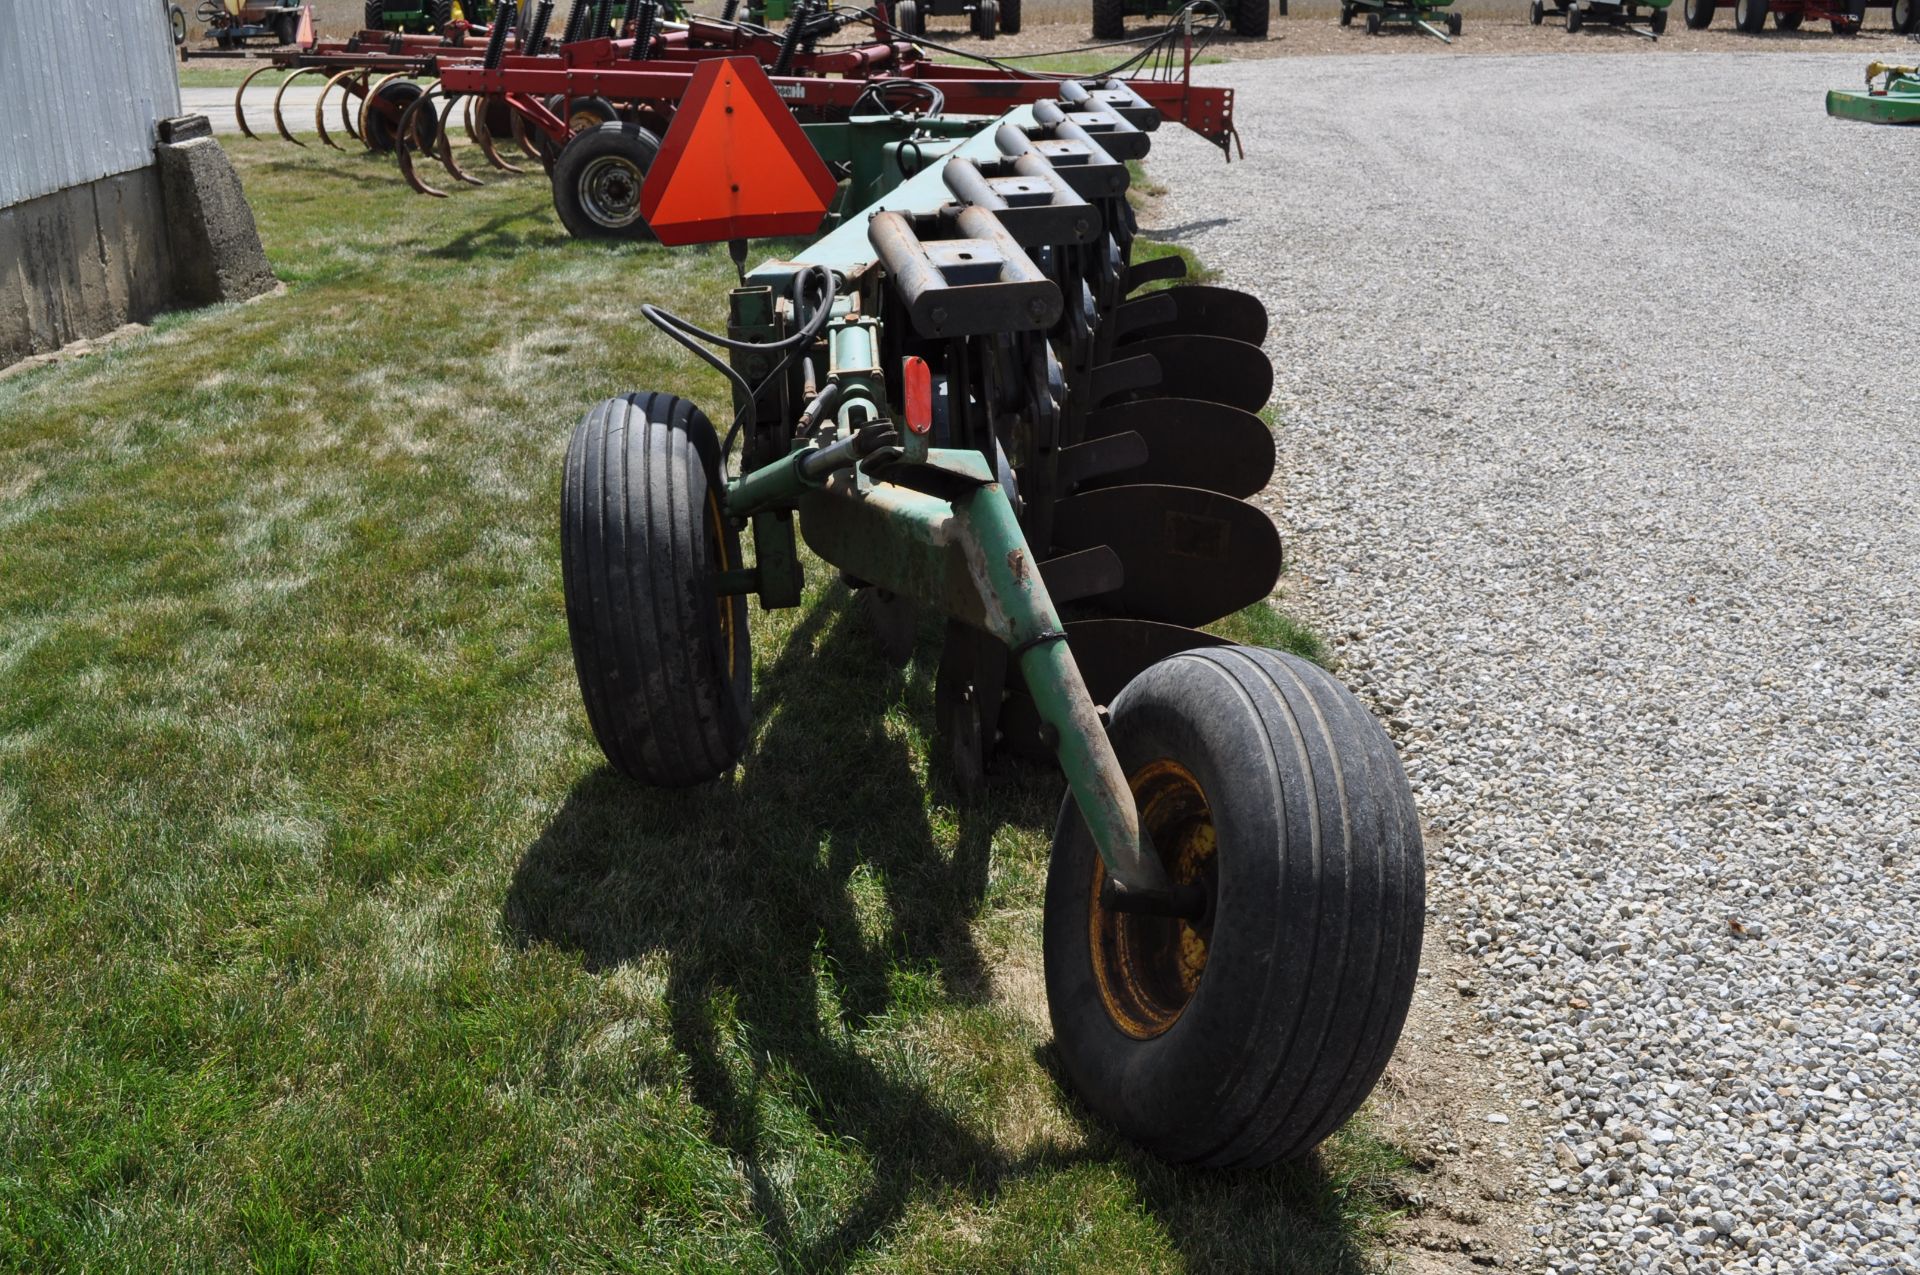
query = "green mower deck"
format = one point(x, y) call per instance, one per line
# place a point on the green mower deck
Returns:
point(1895, 101)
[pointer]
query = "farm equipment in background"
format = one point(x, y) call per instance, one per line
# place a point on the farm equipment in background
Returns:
point(632, 88)
point(985, 18)
point(1422, 15)
point(969, 404)
point(1249, 18)
point(1894, 100)
point(1618, 13)
point(425, 17)
point(233, 23)
point(1844, 17)
point(177, 24)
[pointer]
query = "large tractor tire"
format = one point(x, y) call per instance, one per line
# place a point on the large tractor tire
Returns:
point(1906, 16)
point(439, 15)
point(1252, 1031)
point(1251, 18)
point(1109, 19)
point(1698, 14)
point(1010, 16)
point(663, 659)
point(374, 15)
point(597, 180)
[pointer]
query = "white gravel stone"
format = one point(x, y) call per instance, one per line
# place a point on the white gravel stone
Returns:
point(1606, 484)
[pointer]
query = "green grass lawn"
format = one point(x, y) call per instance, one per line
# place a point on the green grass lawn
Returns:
point(332, 944)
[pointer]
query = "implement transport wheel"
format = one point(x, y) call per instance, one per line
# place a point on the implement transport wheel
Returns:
point(1750, 16)
point(1346, 14)
point(986, 19)
point(1574, 16)
point(906, 18)
point(1657, 21)
point(1906, 16)
point(1109, 19)
point(1373, 23)
point(597, 180)
point(1697, 14)
point(1251, 1031)
point(1536, 13)
point(663, 659)
point(177, 23)
point(1453, 24)
point(1250, 19)
point(381, 116)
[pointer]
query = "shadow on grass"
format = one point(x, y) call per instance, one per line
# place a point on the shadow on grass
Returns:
point(494, 238)
point(762, 897)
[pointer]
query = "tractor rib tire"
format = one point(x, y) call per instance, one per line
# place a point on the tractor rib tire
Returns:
point(1251, 18)
point(1270, 785)
point(1109, 19)
point(663, 661)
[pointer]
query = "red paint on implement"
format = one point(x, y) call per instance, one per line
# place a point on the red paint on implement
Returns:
point(734, 164)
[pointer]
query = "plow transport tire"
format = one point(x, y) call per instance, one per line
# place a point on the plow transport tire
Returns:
point(1698, 14)
point(1906, 16)
point(1750, 16)
point(1250, 19)
point(1373, 22)
point(1251, 1033)
point(1657, 22)
point(1453, 24)
point(1574, 16)
point(1109, 19)
point(663, 661)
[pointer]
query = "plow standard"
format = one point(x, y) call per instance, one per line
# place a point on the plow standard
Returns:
point(968, 400)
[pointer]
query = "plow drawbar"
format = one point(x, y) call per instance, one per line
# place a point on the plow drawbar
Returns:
point(968, 399)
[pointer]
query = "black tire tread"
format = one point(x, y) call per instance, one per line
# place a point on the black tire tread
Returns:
point(1324, 1008)
point(647, 641)
point(1251, 19)
point(1109, 19)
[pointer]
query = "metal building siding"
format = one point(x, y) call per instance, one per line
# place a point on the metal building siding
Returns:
point(83, 82)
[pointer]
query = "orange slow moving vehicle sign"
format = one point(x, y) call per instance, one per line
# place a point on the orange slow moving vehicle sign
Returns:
point(734, 163)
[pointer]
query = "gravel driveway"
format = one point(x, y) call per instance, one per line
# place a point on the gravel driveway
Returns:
point(1610, 488)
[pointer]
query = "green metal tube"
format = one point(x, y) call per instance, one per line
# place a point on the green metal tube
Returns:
point(1021, 613)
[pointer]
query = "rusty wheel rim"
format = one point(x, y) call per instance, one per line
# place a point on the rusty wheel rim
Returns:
point(1149, 968)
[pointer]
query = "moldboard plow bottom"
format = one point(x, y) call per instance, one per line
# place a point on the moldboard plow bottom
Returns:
point(962, 403)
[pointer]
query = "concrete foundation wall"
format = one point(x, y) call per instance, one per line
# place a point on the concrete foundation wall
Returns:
point(84, 261)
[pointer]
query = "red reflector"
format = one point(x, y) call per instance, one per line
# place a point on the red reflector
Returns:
point(734, 163)
point(919, 394)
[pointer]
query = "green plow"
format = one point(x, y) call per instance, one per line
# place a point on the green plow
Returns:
point(1895, 99)
point(1428, 16)
point(999, 428)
